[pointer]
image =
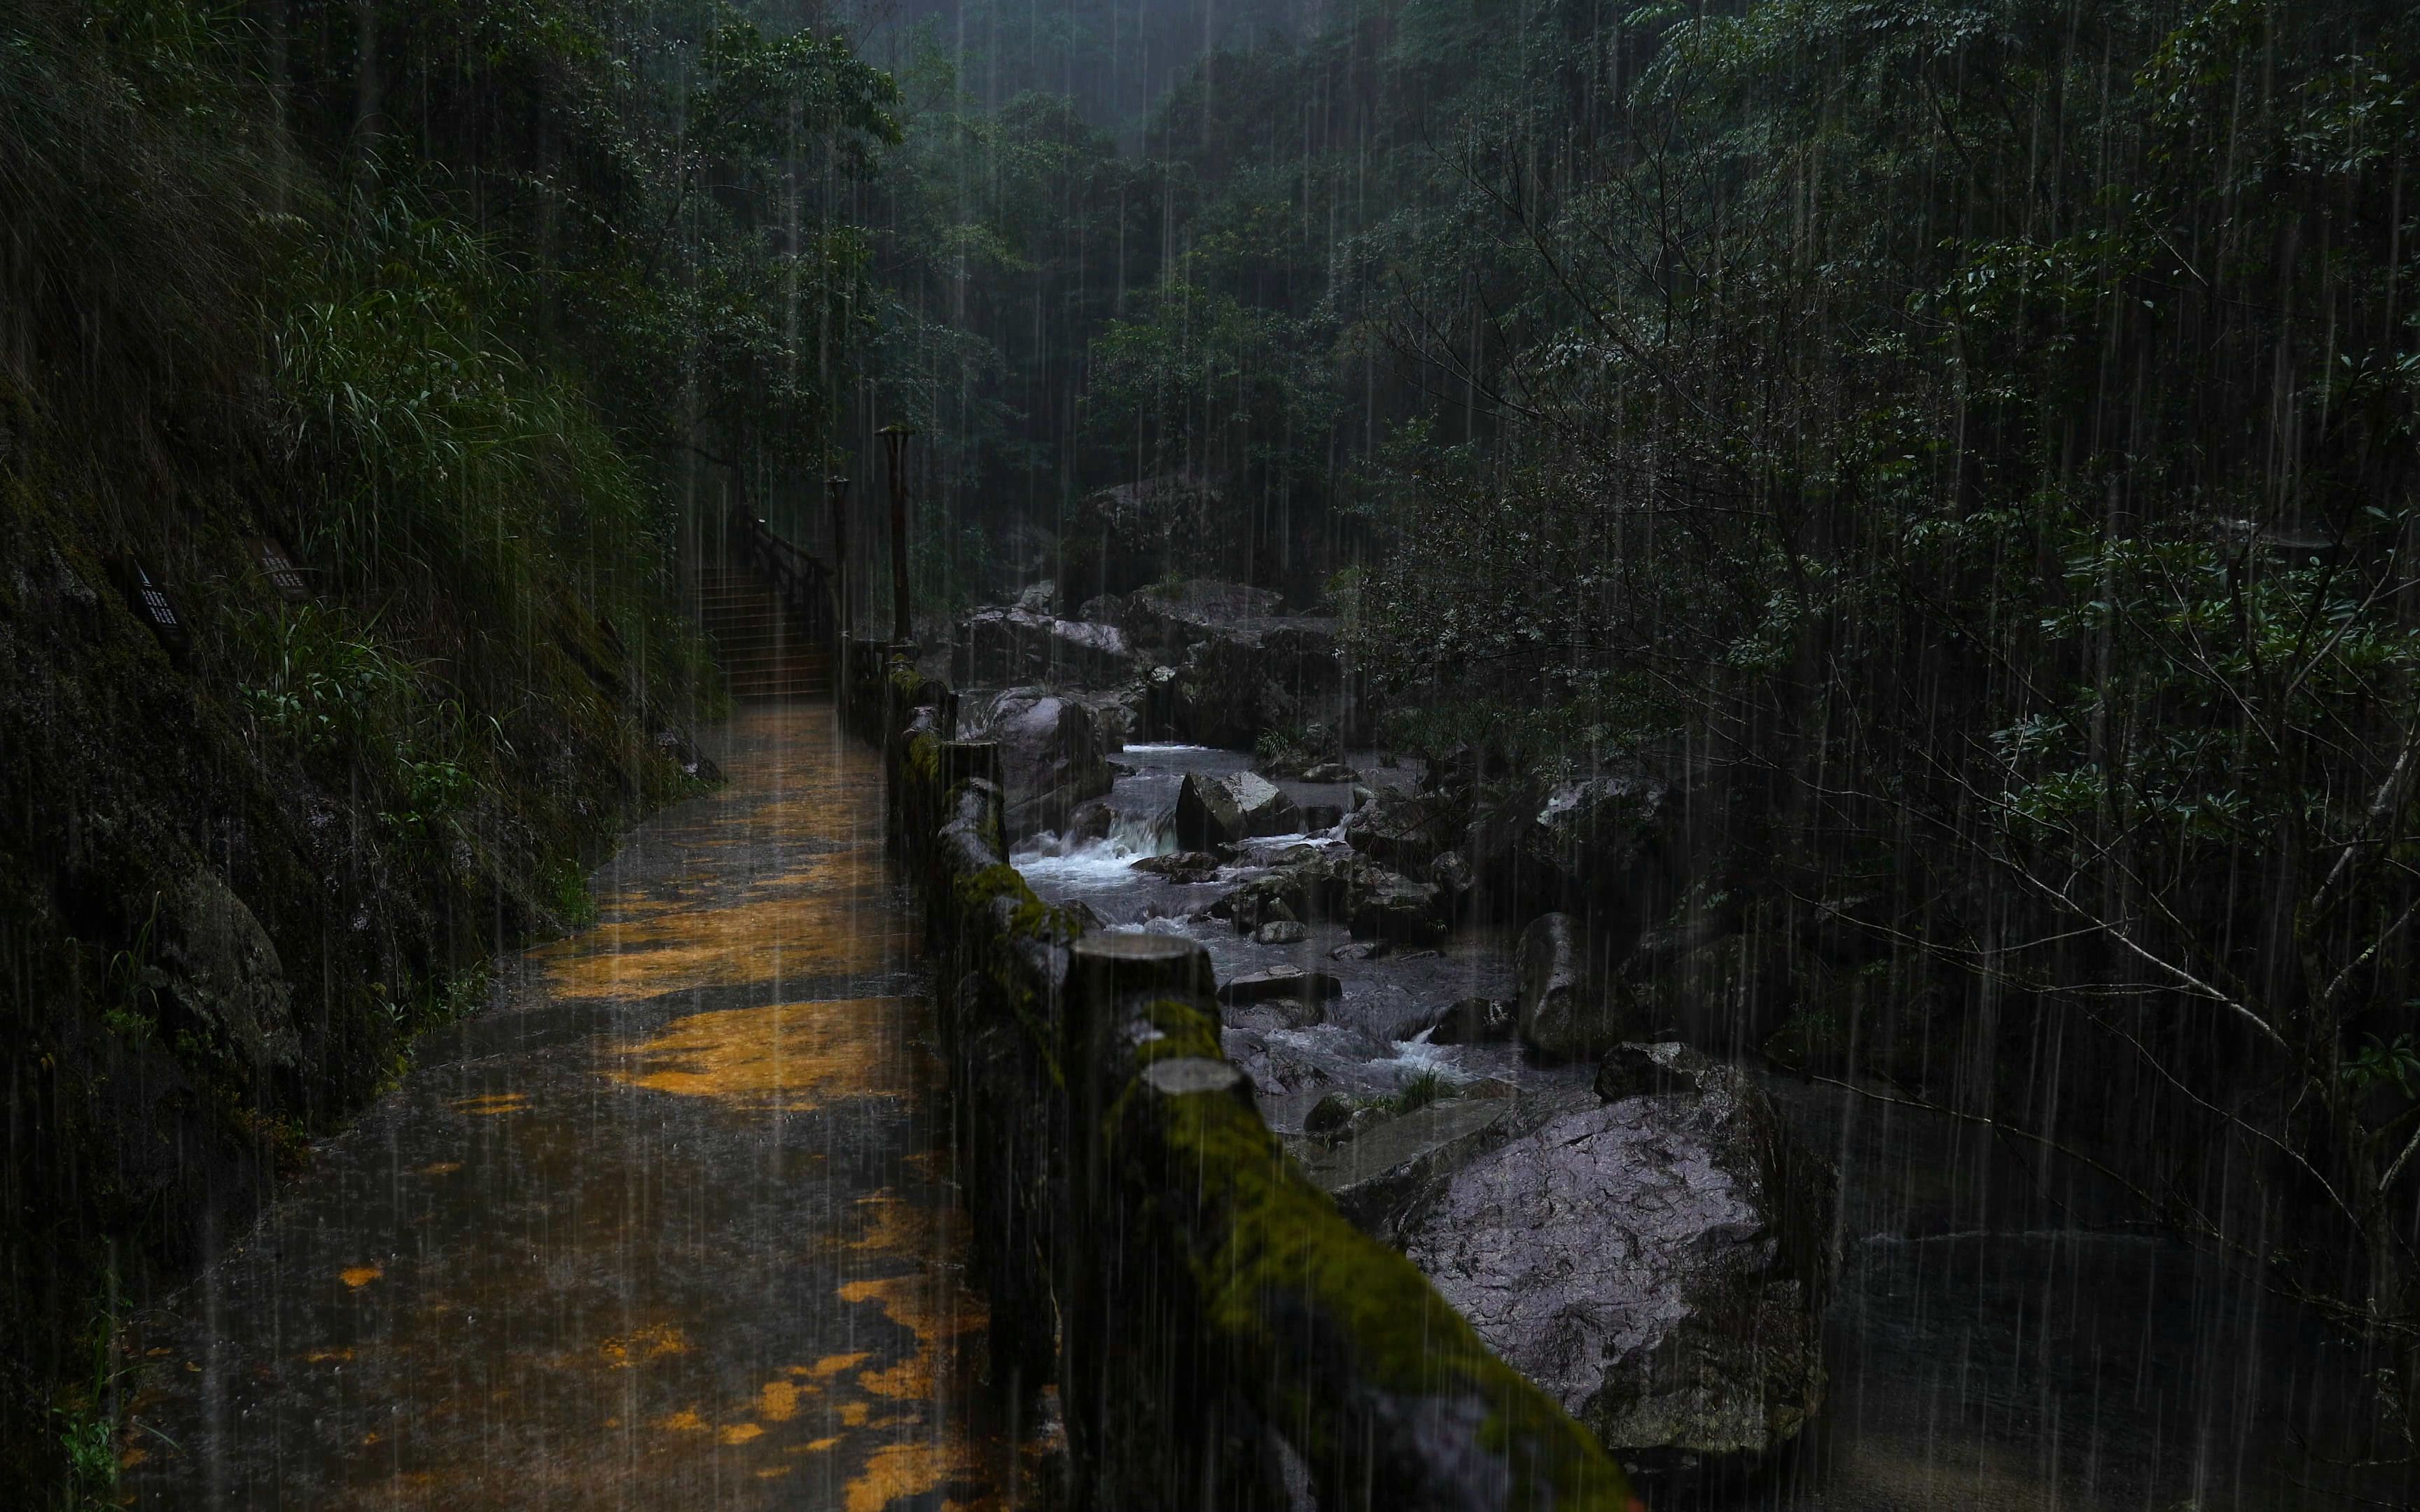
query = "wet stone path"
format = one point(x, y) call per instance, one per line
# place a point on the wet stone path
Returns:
point(667, 1226)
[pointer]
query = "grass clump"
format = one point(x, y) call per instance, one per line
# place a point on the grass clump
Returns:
point(1427, 1088)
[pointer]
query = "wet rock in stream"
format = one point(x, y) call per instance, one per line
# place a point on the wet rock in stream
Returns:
point(1312, 886)
point(1571, 1008)
point(1387, 1166)
point(1403, 830)
point(1090, 821)
point(1658, 1262)
point(1388, 906)
point(1225, 665)
point(1007, 647)
point(1636, 1237)
point(1239, 805)
point(1181, 866)
point(1282, 982)
point(1054, 755)
point(1276, 1068)
point(1465, 1021)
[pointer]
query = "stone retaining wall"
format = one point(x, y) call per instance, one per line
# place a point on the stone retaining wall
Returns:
point(1220, 1337)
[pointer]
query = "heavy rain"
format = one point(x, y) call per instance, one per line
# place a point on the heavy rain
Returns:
point(1296, 755)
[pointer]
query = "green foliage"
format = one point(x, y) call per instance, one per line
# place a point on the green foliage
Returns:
point(452, 455)
point(430, 789)
point(760, 96)
point(1427, 1088)
point(1965, 445)
point(567, 884)
point(350, 701)
point(2380, 1063)
point(474, 306)
point(91, 1450)
point(323, 688)
point(86, 1415)
point(132, 1007)
point(1205, 383)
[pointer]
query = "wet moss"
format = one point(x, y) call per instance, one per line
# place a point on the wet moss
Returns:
point(1269, 1235)
point(911, 689)
point(987, 827)
point(978, 890)
point(1267, 1247)
point(1027, 917)
point(922, 764)
point(1264, 1249)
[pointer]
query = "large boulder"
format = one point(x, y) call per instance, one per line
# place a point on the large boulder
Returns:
point(1404, 830)
point(1227, 668)
point(1116, 710)
point(219, 963)
point(1571, 1008)
point(1174, 525)
point(1606, 845)
point(1016, 647)
point(1658, 1262)
point(1388, 906)
point(1165, 620)
point(1376, 903)
point(1373, 1176)
point(1604, 831)
point(1216, 811)
point(1054, 756)
point(1222, 695)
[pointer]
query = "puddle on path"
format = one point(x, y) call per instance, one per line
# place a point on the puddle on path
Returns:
point(669, 1226)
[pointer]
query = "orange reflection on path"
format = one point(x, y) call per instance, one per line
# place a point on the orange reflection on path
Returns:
point(671, 1227)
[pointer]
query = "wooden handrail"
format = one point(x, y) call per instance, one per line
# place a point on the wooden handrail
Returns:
point(799, 578)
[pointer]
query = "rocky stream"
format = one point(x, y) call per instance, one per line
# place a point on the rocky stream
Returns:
point(1760, 1288)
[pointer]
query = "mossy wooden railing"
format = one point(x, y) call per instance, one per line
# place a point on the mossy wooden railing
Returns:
point(1219, 1335)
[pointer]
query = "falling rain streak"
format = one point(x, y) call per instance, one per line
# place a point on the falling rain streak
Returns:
point(667, 1224)
point(1167, 755)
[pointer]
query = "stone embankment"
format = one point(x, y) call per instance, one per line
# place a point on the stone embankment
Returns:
point(1653, 1250)
point(1219, 1334)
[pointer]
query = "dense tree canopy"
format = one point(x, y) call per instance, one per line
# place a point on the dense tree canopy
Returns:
point(1968, 446)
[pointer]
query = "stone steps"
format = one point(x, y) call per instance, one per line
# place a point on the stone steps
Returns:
point(763, 652)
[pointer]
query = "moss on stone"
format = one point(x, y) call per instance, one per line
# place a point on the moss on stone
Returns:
point(912, 689)
point(1261, 1232)
point(922, 765)
point(1264, 1247)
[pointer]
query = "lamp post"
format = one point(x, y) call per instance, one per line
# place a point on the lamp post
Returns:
point(894, 441)
point(836, 487)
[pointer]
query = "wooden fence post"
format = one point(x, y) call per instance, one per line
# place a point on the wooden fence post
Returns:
point(1151, 1418)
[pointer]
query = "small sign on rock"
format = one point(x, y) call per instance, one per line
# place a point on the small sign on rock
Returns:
point(277, 565)
point(149, 602)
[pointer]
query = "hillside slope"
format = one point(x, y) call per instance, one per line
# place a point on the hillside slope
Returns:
point(467, 314)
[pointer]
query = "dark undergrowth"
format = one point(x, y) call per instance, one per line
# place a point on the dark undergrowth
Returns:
point(281, 275)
